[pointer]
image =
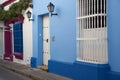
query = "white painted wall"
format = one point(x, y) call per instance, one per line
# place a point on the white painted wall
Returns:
point(27, 40)
point(1, 39)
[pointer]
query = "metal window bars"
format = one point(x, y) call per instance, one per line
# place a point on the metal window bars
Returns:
point(92, 31)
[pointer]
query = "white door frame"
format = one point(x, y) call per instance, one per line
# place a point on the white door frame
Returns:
point(2, 51)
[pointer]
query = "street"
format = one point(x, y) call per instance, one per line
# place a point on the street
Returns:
point(9, 75)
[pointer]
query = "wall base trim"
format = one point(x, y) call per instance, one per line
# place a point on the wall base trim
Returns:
point(79, 70)
point(113, 75)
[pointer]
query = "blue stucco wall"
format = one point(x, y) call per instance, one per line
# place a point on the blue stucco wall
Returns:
point(62, 26)
point(114, 34)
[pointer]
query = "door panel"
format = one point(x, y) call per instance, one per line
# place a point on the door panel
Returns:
point(46, 40)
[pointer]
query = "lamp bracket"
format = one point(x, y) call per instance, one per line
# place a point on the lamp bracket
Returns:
point(53, 14)
point(31, 19)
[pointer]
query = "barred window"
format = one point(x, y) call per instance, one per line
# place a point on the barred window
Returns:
point(91, 31)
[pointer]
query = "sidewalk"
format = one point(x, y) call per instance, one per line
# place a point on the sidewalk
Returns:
point(35, 74)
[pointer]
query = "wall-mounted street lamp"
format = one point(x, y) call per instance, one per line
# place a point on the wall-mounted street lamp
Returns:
point(29, 16)
point(51, 8)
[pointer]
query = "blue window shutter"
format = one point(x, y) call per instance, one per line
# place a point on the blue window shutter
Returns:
point(18, 37)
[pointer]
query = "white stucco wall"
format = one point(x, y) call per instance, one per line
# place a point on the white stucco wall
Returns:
point(27, 40)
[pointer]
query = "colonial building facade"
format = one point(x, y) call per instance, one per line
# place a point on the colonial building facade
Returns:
point(81, 41)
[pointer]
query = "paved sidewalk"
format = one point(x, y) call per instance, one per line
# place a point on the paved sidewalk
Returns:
point(35, 74)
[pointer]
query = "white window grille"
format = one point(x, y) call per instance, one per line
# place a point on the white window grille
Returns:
point(92, 31)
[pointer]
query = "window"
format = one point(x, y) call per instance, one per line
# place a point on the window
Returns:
point(18, 39)
point(91, 31)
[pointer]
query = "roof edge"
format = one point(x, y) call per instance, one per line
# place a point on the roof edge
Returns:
point(8, 2)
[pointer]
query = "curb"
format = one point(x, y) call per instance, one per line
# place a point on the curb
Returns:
point(34, 74)
point(22, 73)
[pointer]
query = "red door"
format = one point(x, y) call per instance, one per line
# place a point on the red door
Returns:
point(8, 45)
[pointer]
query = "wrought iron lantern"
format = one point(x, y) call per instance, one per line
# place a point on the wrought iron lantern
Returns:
point(29, 15)
point(51, 7)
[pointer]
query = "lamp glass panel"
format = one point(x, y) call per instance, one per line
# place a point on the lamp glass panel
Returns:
point(29, 14)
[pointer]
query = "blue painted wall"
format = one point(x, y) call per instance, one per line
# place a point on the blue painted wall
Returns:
point(114, 34)
point(62, 26)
